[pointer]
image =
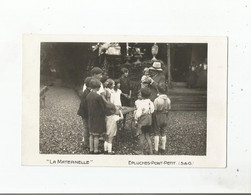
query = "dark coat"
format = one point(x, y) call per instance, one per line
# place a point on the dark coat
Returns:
point(158, 79)
point(125, 87)
point(96, 113)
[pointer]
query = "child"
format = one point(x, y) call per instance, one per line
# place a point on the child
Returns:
point(108, 89)
point(146, 80)
point(125, 87)
point(143, 119)
point(112, 116)
point(96, 73)
point(96, 115)
point(162, 104)
point(115, 94)
point(126, 90)
point(82, 111)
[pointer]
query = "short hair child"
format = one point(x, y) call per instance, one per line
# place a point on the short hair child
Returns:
point(143, 118)
point(94, 83)
point(124, 70)
point(87, 81)
point(96, 112)
point(108, 89)
point(162, 105)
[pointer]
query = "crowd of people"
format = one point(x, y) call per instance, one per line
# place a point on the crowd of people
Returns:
point(103, 99)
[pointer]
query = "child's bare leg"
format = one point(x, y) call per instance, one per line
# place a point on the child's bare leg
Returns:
point(96, 141)
point(91, 142)
point(148, 139)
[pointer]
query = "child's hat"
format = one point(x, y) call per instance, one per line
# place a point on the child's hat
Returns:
point(96, 70)
point(110, 109)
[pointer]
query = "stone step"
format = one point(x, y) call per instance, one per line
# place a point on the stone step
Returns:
point(188, 99)
point(188, 109)
point(192, 106)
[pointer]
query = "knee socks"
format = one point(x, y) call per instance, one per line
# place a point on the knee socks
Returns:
point(96, 140)
point(156, 143)
point(106, 146)
point(163, 142)
point(91, 143)
point(109, 147)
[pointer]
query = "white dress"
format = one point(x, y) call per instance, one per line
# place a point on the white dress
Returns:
point(115, 97)
point(111, 125)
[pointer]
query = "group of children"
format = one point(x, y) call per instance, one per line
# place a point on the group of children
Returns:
point(101, 108)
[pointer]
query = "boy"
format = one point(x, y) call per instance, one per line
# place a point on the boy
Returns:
point(96, 73)
point(96, 115)
point(162, 104)
point(82, 111)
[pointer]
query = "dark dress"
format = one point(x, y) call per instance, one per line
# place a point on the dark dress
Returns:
point(125, 88)
point(96, 113)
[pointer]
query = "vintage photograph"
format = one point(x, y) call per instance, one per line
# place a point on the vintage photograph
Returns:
point(123, 98)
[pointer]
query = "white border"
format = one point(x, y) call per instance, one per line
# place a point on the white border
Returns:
point(216, 109)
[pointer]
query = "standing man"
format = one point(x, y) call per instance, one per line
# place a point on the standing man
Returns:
point(158, 76)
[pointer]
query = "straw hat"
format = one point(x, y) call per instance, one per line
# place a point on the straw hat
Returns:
point(156, 66)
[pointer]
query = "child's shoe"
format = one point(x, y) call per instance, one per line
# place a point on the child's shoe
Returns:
point(139, 152)
point(97, 152)
point(155, 152)
point(111, 153)
point(105, 152)
point(162, 151)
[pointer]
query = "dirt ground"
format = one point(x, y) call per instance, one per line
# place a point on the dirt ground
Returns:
point(61, 129)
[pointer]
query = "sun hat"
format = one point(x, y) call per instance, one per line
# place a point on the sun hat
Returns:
point(156, 66)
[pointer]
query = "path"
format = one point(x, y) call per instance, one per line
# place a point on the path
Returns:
point(61, 128)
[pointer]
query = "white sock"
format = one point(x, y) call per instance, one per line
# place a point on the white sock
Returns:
point(156, 143)
point(83, 140)
point(163, 142)
point(105, 146)
point(109, 147)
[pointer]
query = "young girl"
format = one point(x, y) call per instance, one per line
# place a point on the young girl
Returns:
point(115, 94)
point(143, 119)
point(96, 115)
point(108, 89)
point(112, 116)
